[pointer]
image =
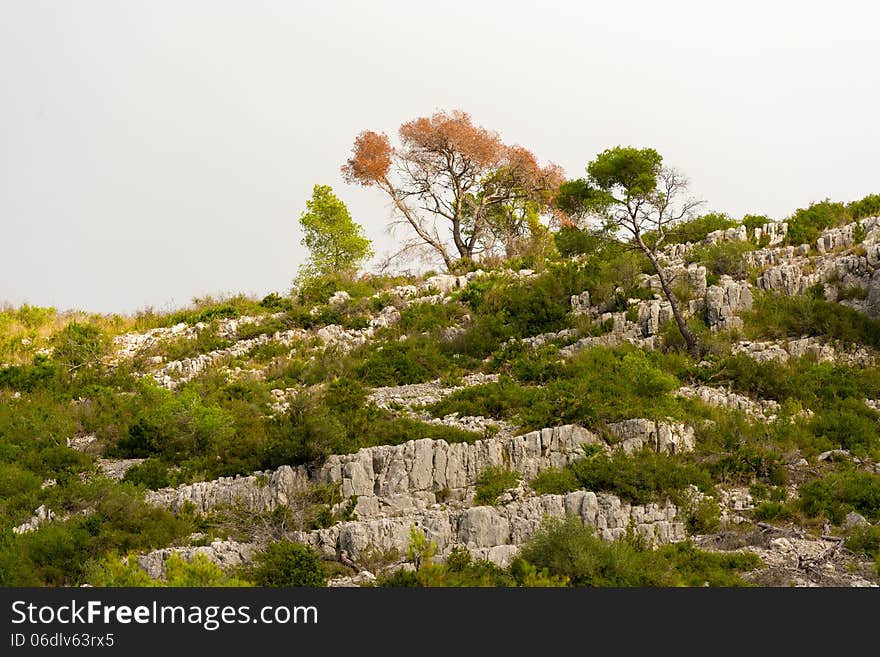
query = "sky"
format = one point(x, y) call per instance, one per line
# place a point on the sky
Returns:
point(153, 152)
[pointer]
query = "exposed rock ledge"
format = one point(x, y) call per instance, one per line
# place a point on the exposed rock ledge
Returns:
point(396, 479)
point(492, 533)
point(806, 346)
point(762, 409)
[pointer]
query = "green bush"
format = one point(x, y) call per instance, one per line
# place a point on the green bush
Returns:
point(207, 340)
point(274, 302)
point(753, 221)
point(556, 481)
point(285, 563)
point(571, 241)
point(422, 317)
point(859, 233)
point(767, 511)
point(698, 228)
point(26, 378)
point(704, 517)
point(865, 540)
point(414, 360)
point(722, 258)
point(813, 384)
point(641, 478)
point(851, 292)
point(805, 224)
point(491, 482)
point(837, 493)
point(77, 345)
point(866, 207)
point(208, 309)
point(597, 384)
point(319, 425)
point(569, 549)
point(15, 480)
point(780, 316)
point(59, 553)
point(850, 425)
point(151, 474)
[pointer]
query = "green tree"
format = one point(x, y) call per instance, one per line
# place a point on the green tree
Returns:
point(639, 199)
point(336, 244)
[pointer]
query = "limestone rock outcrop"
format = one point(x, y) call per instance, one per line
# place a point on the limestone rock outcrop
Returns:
point(42, 515)
point(764, 351)
point(225, 554)
point(494, 533)
point(725, 301)
point(391, 478)
point(664, 437)
point(762, 409)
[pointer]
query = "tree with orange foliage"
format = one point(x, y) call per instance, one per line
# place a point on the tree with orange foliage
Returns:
point(449, 171)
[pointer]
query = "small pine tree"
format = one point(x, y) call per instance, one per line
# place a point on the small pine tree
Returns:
point(337, 245)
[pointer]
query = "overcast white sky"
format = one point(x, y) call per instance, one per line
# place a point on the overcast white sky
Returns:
point(154, 151)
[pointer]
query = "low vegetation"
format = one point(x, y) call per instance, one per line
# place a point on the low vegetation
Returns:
point(66, 400)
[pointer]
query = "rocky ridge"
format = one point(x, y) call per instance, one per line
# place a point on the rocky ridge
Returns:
point(492, 533)
point(392, 478)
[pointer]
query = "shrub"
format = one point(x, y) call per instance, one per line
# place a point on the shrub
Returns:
point(555, 481)
point(569, 549)
point(643, 477)
point(851, 292)
point(571, 241)
point(77, 345)
point(703, 517)
point(865, 540)
point(805, 224)
point(866, 207)
point(837, 493)
point(286, 563)
point(767, 511)
point(152, 474)
point(724, 258)
point(58, 553)
point(274, 302)
point(859, 233)
point(597, 384)
point(698, 228)
point(26, 378)
point(415, 360)
point(423, 317)
point(491, 482)
point(200, 572)
point(15, 480)
point(318, 425)
point(780, 316)
point(753, 221)
point(850, 425)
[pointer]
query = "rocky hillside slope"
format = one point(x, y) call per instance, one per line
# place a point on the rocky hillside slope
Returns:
point(469, 409)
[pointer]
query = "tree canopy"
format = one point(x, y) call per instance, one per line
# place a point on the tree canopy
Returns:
point(453, 181)
point(336, 243)
point(635, 196)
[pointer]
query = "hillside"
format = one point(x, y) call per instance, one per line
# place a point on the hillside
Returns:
point(535, 421)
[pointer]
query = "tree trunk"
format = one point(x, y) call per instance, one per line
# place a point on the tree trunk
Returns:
point(693, 344)
point(465, 250)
